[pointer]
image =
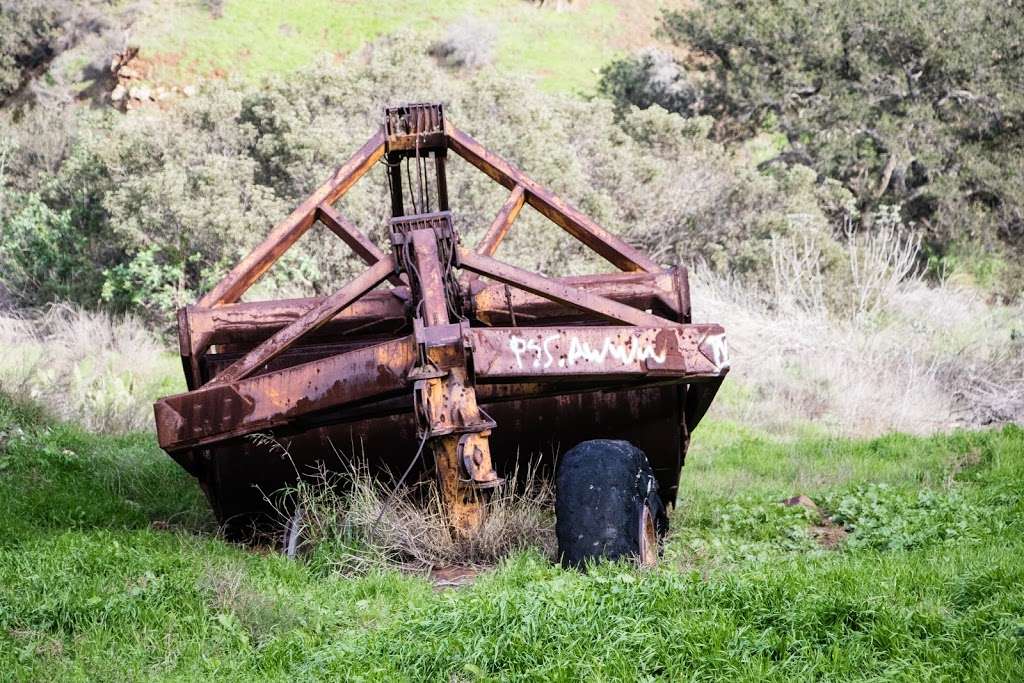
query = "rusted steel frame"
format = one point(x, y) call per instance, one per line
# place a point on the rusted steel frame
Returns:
point(414, 127)
point(557, 291)
point(657, 291)
point(188, 349)
point(445, 397)
point(502, 222)
point(366, 250)
point(698, 400)
point(309, 321)
point(258, 320)
point(217, 412)
point(440, 159)
point(288, 231)
point(554, 208)
point(430, 276)
point(394, 164)
point(599, 353)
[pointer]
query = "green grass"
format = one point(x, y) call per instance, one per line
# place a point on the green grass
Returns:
point(108, 571)
point(253, 38)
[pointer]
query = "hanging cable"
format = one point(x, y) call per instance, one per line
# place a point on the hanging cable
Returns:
point(412, 463)
point(426, 184)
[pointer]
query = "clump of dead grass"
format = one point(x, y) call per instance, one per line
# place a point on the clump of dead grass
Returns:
point(100, 370)
point(242, 608)
point(354, 522)
point(877, 351)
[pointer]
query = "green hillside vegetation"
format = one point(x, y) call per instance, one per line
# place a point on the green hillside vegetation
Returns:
point(916, 105)
point(561, 50)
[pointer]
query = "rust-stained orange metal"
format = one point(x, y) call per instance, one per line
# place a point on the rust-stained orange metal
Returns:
point(486, 368)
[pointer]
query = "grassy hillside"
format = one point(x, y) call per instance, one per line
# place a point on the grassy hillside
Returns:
point(898, 557)
point(562, 50)
point(109, 571)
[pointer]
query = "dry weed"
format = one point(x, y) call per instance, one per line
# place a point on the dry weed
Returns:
point(243, 608)
point(927, 359)
point(100, 370)
point(358, 522)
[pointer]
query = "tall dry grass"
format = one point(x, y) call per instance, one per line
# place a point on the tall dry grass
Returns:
point(356, 522)
point(863, 346)
point(99, 370)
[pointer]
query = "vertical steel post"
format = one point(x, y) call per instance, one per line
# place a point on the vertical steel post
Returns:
point(445, 395)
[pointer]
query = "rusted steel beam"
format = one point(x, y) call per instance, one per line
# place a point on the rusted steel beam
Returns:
point(217, 412)
point(599, 353)
point(394, 164)
point(258, 320)
point(255, 321)
point(309, 321)
point(341, 226)
point(557, 291)
point(431, 277)
point(369, 252)
point(502, 222)
point(646, 291)
point(445, 403)
point(440, 158)
point(288, 231)
point(187, 349)
point(554, 208)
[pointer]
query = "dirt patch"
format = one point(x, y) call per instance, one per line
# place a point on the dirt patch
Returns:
point(452, 577)
point(134, 79)
point(827, 533)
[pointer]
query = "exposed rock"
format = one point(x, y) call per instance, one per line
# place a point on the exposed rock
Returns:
point(802, 501)
point(140, 92)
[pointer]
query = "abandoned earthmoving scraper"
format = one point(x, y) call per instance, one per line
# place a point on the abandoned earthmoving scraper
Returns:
point(473, 368)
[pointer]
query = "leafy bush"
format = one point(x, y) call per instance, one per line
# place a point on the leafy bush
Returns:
point(468, 43)
point(29, 30)
point(37, 33)
point(648, 78)
point(747, 529)
point(42, 255)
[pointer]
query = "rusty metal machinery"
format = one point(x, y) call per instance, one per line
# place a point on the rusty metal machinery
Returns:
point(436, 345)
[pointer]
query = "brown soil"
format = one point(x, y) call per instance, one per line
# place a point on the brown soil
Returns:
point(827, 533)
point(452, 577)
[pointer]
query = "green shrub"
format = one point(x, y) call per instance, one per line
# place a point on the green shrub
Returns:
point(647, 78)
point(43, 257)
point(29, 30)
point(36, 34)
point(916, 104)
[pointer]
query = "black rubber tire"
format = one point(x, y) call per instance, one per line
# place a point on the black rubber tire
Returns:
point(600, 489)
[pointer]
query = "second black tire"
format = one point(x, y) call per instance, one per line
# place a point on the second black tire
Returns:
point(601, 489)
